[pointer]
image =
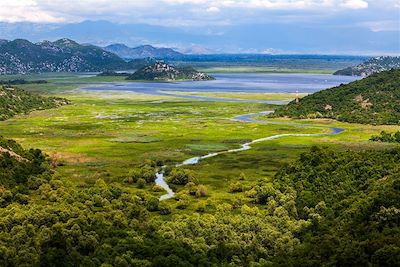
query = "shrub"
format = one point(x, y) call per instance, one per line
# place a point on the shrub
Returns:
point(164, 209)
point(141, 183)
point(201, 191)
point(236, 187)
point(181, 177)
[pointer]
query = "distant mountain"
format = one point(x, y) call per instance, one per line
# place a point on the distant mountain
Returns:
point(372, 65)
point(373, 100)
point(163, 72)
point(298, 38)
point(64, 55)
point(143, 51)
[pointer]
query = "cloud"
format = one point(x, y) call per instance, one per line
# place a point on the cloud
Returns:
point(189, 13)
point(380, 26)
point(354, 4)
point(276, 4)
point(213, 9)
point(26, 10)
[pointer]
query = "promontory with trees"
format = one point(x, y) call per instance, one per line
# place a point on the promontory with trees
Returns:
point(373, 100)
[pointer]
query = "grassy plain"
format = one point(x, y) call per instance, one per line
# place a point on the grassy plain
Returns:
point(105, 134)
point(242, 95)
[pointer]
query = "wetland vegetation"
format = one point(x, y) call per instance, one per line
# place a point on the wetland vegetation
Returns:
point(88, 197)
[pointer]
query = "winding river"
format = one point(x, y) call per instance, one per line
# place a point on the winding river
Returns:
point(246, 146)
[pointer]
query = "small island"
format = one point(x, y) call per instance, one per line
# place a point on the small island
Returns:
point(161, 71)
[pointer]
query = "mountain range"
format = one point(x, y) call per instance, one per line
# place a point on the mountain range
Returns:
point(241, 38)
point(143, 51)
point(64, 55)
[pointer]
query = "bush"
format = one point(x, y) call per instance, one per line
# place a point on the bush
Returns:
point(181, 177)
point(200, 207)
point(236, 187)
point(164, 209)
point(141, 183)
point(201, 191)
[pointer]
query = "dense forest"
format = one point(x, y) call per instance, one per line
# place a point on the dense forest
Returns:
point(325, 209)
point(373, 100)
point(386, 137)
point(15, 101)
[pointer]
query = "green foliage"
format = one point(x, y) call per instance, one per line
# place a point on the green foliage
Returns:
point(328, 208)
point(181, 176)
point(20, 171)
point(15, 101)
point(386, 137)
point(373, 100)
point(353, 199)
point(146, 172)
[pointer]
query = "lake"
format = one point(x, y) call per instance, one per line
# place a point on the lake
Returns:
point(234, 82)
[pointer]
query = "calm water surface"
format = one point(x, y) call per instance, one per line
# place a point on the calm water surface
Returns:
point(242, 82)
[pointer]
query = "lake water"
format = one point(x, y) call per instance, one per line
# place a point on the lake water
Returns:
point(242, 82)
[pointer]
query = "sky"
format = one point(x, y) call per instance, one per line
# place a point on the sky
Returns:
point(374, 22)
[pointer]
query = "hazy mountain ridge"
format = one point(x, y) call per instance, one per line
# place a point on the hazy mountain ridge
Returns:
point(372, 65)
point(143, 51)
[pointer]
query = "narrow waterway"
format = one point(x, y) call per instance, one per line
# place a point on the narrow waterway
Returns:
point(244, 118)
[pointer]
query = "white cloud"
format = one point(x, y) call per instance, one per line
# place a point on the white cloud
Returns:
point(191, 12)
point(383, 25)
point(213, 9)
point(25, 10)
point(354, 4)
point(276, 4)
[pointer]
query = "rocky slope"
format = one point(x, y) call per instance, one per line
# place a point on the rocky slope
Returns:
point(164, 72)
point(372, 65)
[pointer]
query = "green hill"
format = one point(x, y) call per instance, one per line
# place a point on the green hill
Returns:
point(15, 101)
point(163, 72)
point(372, 100)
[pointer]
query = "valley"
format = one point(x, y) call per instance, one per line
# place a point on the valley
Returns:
point(177, 164)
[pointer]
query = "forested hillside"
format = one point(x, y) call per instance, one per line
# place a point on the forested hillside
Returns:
point(353, 199)
point(325, 209)
point(15, 101)
point(20, 171)
point(374, 100)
